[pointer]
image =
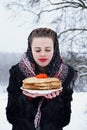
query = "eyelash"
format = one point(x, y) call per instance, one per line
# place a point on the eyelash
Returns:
point(47, 50)
point(40, 50)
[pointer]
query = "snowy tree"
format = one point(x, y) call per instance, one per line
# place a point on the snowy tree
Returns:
point(67, 17)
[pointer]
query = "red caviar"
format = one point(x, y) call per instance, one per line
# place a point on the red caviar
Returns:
point(41, 76)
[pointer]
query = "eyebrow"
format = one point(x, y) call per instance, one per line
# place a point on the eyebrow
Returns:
point(40, 47)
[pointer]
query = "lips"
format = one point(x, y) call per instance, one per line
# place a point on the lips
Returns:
point(42, 59)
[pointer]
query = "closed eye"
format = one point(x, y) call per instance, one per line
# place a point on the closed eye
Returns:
point(47, 50)
point(38, 50)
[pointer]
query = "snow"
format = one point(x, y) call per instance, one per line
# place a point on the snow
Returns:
point(78, 117)
point(79, 112)
point(4, 125)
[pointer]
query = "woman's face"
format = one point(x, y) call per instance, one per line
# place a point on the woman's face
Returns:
point(42, 50)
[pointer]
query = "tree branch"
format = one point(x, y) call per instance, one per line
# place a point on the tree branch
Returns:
point(70, 30)
point(82, 66)
point(77, 4)
point(61, 5)
point(9, 6)
point(82, 74)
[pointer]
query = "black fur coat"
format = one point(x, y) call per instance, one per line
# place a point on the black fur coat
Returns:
point(21, 110)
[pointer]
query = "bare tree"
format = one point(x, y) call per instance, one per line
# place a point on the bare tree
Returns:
point(69, 17)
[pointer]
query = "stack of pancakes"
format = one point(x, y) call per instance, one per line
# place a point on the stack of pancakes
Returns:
point(34, 83)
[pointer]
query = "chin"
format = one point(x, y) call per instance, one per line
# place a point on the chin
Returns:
point(43, 65)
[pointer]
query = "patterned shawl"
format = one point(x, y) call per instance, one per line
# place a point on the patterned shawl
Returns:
point(28, 69)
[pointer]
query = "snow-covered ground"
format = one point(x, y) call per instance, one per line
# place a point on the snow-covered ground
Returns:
point(78, 118)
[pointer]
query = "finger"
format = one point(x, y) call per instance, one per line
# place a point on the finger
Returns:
point(25, 93)
point(57, 93)
point(53, 94)
point(49, 96)
point(28, 94)
point(60, 90)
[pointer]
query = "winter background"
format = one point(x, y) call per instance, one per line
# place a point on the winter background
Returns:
point(17, 20)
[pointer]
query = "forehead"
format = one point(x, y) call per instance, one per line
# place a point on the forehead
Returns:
point(42, 41)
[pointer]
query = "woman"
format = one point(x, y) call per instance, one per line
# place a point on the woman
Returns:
point(54, 108)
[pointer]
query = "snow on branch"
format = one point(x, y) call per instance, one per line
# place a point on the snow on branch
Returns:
point(71, 30)
point(82, 74)
point(21, 6)
point(74, 4)
point(25, 5)
point(82, 66)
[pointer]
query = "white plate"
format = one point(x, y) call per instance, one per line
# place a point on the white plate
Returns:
point(41, 91)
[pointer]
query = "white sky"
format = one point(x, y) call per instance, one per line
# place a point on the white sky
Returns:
point(12, 37)
point(14, 32)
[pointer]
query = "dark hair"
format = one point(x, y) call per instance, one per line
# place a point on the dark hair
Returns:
point(41, 32)
point(55, 62)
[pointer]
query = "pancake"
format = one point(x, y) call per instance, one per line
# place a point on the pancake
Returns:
point(35, 80)
point(48, 83)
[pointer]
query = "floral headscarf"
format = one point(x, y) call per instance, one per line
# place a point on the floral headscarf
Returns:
point(56, 68)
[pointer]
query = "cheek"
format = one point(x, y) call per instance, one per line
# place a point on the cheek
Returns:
point(35, 55)
point(50, 54)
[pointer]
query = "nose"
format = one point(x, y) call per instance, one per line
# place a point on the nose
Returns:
point(43, 53)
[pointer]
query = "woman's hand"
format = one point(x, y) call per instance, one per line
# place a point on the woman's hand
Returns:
point(31, 94)
point(49, 96)
point(53, 94)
